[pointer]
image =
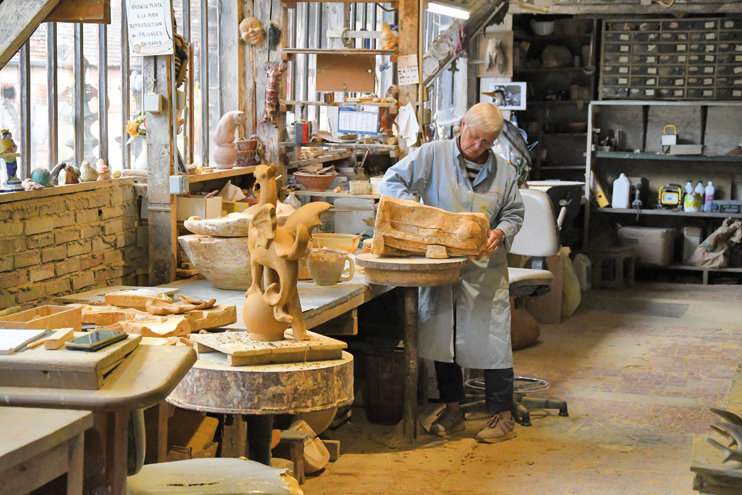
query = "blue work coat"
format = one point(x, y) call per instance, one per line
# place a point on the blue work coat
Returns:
point(480, 304)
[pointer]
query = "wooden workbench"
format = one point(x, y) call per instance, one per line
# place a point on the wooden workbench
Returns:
point(38, 445)
point(319, 304)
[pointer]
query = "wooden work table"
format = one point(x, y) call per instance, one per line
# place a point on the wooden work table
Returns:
point(38, 445)
point(143, 379)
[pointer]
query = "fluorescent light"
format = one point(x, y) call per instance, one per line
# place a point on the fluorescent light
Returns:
point(444, 9)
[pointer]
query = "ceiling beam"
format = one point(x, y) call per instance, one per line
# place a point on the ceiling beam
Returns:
point(18, 21)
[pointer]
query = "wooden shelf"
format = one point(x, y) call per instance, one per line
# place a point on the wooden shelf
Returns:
point(659, 156)
point(563, 167)
point(565, 134)
point(10, 197)
point(293, 103)
point(545, 70)
point(336, 51)
point(552, 37)
point(289, 144)
point(299, 163)
point(330, 194)
point(292, 4)
point(670, 213)
point(221, 174)
point(703, 269)
point(558, 102)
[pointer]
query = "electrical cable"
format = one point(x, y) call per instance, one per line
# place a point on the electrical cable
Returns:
point(384, 8)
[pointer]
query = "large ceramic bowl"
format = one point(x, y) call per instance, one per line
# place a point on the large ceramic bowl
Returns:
point(317, 183)
point(224, 261)
point(344, 242)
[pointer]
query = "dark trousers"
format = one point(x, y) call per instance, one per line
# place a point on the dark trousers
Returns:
point(498, 386)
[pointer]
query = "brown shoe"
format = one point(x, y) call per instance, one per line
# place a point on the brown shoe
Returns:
point(498, 429)
point(448, 422)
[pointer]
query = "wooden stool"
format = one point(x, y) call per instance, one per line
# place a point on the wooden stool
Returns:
point(620, 263)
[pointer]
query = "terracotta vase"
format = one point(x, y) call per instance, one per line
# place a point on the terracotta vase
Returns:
point(259, 320)
point(225, 156)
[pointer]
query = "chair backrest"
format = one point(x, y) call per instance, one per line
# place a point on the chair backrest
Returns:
point(539, 236)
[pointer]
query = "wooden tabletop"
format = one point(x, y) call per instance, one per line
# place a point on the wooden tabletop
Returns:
point(27, 433)
point(412, 263)
point(318, 303)
point(145, 378)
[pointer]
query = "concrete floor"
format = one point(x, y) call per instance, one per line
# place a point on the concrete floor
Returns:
point(639, 369)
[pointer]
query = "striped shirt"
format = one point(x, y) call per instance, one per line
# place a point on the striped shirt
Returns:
point(472, 169)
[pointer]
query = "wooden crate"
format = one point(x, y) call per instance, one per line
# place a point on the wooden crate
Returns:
point(45, 318)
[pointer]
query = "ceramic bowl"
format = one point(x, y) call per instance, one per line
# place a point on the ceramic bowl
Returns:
point(344, 242)
point(311, 182)
point(224, 261)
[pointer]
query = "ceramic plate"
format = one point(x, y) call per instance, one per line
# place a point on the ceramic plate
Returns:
point(430, 65)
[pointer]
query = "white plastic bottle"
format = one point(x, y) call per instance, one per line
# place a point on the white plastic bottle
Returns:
point(700, 195)
point(688, 196)
point(709, 197)
point(621, 192)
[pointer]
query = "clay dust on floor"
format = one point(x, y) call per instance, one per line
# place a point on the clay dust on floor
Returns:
point(639, 379)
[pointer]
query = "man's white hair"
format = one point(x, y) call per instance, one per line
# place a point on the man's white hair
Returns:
point(484, 117)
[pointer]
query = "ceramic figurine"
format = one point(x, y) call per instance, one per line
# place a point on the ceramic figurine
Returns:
point(272, 302)
point(8, 146)
point(389, 40)
point(87, 172)
point(251, 31)
point(273, 88)
point(225, 153)
point(31, 185)
point(55, 172)
point(387, 115)
point(103, 171)
point(70, 175)
point(274, 35)
point(41, 176)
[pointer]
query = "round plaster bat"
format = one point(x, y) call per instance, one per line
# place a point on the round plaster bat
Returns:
point(251, 31)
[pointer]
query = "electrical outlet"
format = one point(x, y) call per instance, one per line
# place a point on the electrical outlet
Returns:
point(179, 184)
point(154, 103)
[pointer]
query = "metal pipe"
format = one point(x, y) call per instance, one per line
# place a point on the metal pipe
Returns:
point(188, 114)
point(79, 97)
point(173, 110)
point(103, 92)
point(51, 92)
point(25, 68)
point(125, 91)
point(204, 83)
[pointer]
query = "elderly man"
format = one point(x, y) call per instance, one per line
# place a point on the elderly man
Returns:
point(468, 324)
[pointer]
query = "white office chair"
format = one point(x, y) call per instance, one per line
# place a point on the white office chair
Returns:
point(222, 476)
point(538, 238)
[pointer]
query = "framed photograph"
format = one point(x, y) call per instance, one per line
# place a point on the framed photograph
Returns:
point(505, 95)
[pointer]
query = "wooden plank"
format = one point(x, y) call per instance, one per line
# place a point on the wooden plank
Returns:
point(45, 318)
point(293, 103)
point(337, 51)
point(63, 368)
point(57, 340)
point(65, 189)
point(98, 295)
point(321, 159)
point(331, 194)
point(20, 19)
point(345, 324)
point(290, 144)
point(86, 11)
point(219, 316)
point(221, 174)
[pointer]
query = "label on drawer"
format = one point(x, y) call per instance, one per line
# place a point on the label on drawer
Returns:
point(624, 37)
point(623, 60)
point(681, 58)
point(708, 82)
point(651, 70)
point(651, 82)
point(738, 48)
point(649, 92)
point(708, 70)
point(678, 92)
point(623, 70)
point(710, 36)
point(652, 60)
point(624, 48)
point(709, 58)
point(737, 92)
point(678, 82)
point(623, 80)
point(709, 25)
point(710, 48)
point(708, 92)
point(681, 48)
point(737, 70)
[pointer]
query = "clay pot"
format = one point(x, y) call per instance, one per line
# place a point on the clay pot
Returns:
point(259, 320)
point(326, 266)
point(224, 261)
point(313, 182)
point(225, 156)
point(246, 144)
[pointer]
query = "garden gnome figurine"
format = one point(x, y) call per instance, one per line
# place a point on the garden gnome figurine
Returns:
point(251, 31)
point(225, 153)
point(8, 146)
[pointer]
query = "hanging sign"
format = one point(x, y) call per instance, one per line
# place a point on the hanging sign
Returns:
point(407, 70)
point(150, 25)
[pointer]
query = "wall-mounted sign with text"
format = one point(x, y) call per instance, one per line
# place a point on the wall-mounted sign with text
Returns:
point(150, 27)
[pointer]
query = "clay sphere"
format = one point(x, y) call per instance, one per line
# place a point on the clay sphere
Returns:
point(251, 31)
point(224, 156)
point(259, 320)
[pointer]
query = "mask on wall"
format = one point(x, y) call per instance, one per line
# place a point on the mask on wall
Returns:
point(251, 31)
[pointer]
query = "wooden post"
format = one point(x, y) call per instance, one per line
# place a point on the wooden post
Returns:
point(409, 17)
point(160, 162)
point(409, 411)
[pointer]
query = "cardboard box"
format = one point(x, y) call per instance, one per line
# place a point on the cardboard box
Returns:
point(235, 206)
point(692, 238)
point(652, 246)
point(191, 436)
point(199, 207)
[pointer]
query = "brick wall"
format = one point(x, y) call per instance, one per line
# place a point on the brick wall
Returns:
point(69, 243)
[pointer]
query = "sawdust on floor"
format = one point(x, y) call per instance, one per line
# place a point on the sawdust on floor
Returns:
point(638, 384)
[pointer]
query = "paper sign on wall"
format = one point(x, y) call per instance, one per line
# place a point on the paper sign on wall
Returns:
point(150, 27)
point(407, 72)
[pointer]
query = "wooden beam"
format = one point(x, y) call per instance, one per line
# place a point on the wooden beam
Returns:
point(409, 16)
point(20, 18)
point(160, 163)
point(86, 11)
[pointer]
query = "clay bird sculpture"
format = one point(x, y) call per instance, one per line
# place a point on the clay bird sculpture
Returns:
point(87, 172)
point(104, 173)
point(389, 40)
point(275, 252)
point(54, 175)
point(731, 430)
point(495, 56)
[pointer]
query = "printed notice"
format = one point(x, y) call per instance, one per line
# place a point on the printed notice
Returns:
point(407, 72)
point(150, 27)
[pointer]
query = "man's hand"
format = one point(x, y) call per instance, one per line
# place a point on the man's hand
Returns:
point(494, 240)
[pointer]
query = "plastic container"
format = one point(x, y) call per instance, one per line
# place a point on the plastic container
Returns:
point(354, 215)
point(583, 270)
point(375, 184)
point(709, 197)
point(293, 201)
point(688, 198)
point(621, 192)
point(700, 192)
point(359, 187)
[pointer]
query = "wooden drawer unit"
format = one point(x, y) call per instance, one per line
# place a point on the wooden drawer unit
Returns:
point(671, 59)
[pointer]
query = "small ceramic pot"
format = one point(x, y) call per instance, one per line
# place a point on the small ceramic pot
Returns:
point(326, 266)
